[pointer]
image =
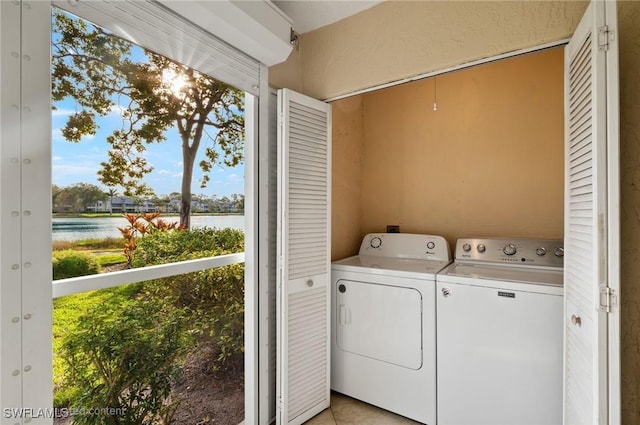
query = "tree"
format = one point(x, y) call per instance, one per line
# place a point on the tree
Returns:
point(77, 197)
point(111, 192)
point(97, 70)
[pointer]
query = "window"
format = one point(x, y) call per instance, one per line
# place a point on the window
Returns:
point(26, 234)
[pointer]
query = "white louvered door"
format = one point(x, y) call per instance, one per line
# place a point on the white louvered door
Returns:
point(591, 393)
point(304, 188)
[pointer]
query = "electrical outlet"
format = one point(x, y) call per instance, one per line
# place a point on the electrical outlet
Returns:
point(393, 228)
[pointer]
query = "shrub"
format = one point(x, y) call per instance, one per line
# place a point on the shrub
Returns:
point(141, 225)
point(124, 357)
point(70, 263)
point(67, 312)
point(213, 299)
point(180, 245)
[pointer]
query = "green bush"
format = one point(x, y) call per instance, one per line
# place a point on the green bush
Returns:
point(124, 357)
point(213, 299)
point(67, 312)
point(70, 263)
point(180, 245)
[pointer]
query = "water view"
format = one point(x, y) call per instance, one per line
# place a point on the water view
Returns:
point(78, 228)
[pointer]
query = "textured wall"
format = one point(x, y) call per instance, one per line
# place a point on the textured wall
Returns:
point(347, 157)
point(288, 74)
point(629, 29)
point(398, 39)
point(488, 162)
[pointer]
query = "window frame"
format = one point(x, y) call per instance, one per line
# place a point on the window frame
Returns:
point(25, 219)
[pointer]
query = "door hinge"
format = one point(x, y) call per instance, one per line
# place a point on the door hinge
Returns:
point(608, 299)
point(605, 37)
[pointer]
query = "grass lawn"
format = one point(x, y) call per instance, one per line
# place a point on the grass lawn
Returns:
point(109, 259)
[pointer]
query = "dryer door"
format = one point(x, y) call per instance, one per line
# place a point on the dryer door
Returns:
point(382, 322)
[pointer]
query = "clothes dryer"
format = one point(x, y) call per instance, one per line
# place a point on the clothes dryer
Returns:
point(383, 323)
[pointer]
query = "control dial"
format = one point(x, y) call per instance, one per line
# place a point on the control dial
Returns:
point(482, 248)
point(376, 242)
point(541, 251)
point(558, 252)
point(466, 247)
point(509, 249)
point(431, 245)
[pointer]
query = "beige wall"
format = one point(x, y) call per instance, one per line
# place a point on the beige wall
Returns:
point(399, 39)
point(488, 162)
point(347, 164)
point(629, 17)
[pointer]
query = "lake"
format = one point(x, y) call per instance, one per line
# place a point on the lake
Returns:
point(78, 228)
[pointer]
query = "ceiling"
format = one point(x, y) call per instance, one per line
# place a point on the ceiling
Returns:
point(308, 15)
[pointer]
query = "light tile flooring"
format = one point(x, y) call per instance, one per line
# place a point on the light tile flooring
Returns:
point(347, 411)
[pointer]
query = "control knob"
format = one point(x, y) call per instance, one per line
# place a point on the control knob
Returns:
point(541, 251)
point(431, 245)
point(509, 249)
point(466, 247)
point(482, 248)
point(376, 242)
point(559, 252)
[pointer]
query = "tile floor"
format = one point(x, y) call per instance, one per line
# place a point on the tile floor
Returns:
point(347, 411)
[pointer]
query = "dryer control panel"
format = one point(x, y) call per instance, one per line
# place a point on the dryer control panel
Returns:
point(406, 245)
point(532, 252)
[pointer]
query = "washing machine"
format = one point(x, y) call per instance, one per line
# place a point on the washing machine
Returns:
point(500, 333)
point(383, 323)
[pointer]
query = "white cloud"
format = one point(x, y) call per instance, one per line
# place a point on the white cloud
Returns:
point(62, 112)
point(66, 170)
point(169, 173)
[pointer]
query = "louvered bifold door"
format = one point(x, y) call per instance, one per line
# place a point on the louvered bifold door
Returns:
point(304, 180)
point(591, 216)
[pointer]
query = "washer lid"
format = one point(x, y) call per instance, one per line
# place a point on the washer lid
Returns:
point(390, 266)
point(506, 273)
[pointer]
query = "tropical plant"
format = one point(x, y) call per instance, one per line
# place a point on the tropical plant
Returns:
point(111, 193)
point(140, 225)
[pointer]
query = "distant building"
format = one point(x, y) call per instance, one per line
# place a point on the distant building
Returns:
point(99, 206)
point(124, 204)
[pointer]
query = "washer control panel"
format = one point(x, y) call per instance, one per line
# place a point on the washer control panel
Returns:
point(406, 245)
point(535, 252)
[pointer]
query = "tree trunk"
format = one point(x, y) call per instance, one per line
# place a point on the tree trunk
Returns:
point(185, 204)
point(189, 151)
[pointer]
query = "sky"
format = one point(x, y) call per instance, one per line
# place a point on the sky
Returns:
point(79, 162)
